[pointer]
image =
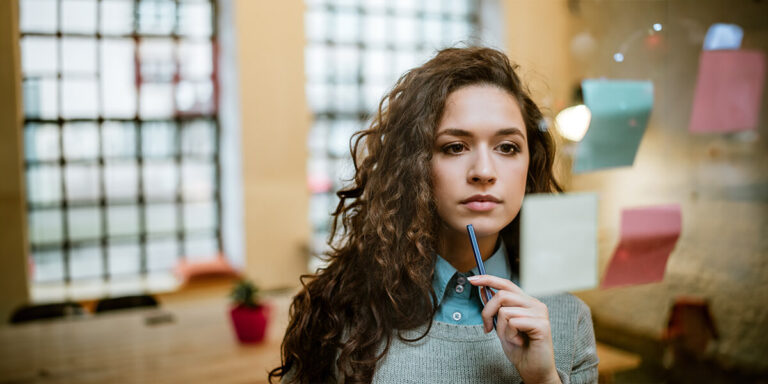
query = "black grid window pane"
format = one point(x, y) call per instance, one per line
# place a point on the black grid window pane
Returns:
point(356, 51)
point(120, 135)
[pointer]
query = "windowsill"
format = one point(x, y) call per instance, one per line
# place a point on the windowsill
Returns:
point(82, 290)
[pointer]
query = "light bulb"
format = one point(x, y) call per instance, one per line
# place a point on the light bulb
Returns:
point(573, 122)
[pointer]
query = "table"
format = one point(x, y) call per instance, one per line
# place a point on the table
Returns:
point(197, 346)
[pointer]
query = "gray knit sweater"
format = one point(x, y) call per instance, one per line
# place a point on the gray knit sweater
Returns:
point(454, 354)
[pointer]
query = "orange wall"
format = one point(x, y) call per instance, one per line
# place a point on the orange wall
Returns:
point(13, 230)
point(275, 121)
point(536, 36)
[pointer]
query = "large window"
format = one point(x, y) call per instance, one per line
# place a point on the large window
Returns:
point(121, 136)
point(356, 51)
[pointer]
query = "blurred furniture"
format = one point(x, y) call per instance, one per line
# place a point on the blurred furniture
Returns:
point(125, 302)
point(192, 343)
point(690, 328)
point(219, 267)
point(614, 360)
point(46, 311)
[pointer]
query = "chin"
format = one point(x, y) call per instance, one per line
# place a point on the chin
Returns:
point(483, 226)
point(483, 231)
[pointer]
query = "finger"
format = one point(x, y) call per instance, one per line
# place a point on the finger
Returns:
point(514, 335)
point(535, 329)
point(495, 282)
point(506, 313)
point(507, 331)
point(503, 329)
point(517, 338)
point(483, 296)
point(505, 299)
point(511, 299)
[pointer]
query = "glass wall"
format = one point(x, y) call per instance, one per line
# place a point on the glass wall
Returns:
point(121, 135)
point(355, 52)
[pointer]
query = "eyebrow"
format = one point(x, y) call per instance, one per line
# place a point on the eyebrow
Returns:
point(464, 133)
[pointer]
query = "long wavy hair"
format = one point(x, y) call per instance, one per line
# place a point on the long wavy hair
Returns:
point(378, 280)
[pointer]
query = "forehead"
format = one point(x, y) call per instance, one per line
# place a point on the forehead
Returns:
point(480, 108)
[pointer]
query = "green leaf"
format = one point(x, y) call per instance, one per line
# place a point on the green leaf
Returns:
point(245, 293)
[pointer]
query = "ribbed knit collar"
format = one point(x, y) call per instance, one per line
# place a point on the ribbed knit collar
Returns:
point(452, 332)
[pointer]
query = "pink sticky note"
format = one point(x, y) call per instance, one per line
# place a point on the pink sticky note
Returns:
point(648, 236)
point(728, 91)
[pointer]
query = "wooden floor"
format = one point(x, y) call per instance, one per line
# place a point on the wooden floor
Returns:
point(188, 340)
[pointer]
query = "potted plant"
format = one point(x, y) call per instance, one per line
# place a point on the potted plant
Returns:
point(249, 315)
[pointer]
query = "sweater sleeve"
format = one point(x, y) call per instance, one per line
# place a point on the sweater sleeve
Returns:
point(584, 368)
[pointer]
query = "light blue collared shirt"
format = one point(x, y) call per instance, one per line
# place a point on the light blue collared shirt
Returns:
point(458, 302)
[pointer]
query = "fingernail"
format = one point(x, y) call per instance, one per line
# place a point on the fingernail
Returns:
point(473, 278)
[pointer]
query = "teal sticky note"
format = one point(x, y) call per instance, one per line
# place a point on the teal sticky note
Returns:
point(620, 111)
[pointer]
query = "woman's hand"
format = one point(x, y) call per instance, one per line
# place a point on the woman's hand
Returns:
point(522, 327)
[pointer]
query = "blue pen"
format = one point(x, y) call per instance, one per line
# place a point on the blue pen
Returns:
point(480, 266)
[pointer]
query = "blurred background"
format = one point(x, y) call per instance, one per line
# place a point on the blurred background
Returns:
point(144, 143)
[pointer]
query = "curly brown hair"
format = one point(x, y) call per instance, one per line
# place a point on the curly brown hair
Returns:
point(378, 280)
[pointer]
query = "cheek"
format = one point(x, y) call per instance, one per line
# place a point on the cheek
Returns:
point(516, 184)
point(438, 186)
point(443, 179)
point(522, 177)
point(522, 172)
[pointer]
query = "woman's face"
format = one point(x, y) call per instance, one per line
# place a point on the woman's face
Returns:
point(480, 160)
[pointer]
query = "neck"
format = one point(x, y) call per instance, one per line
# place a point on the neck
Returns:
point(456, 248)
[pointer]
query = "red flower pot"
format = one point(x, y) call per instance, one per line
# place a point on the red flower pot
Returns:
point(250, 323)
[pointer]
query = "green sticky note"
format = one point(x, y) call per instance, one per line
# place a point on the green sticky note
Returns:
point(620, 111)
point(558, 243)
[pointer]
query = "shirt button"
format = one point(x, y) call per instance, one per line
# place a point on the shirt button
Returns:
point(459, 288)
point(457, 316)
point(461, 280)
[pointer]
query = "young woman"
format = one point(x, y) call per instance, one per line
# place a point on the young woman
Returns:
point(457, 141)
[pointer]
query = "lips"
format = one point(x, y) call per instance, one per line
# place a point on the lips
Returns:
point(481, 203)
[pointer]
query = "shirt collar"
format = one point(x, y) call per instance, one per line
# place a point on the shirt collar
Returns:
point(497, 265)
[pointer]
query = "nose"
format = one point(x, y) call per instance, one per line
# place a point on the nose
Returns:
point(482, 170)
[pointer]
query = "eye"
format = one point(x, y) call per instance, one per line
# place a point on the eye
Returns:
point(508, 148)
point(453, 149)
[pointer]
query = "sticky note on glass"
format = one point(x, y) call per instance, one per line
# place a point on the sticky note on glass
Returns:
point(728, 91)
point(558, 243)
point(648, 236)
point(723, 36)
point(620, 112)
